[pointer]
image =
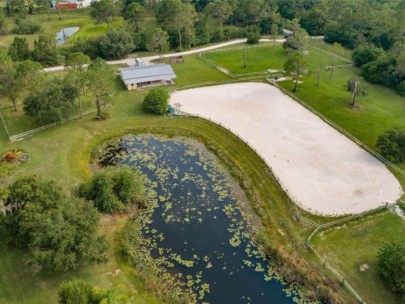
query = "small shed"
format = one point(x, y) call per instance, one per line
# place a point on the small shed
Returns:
point(142, 76)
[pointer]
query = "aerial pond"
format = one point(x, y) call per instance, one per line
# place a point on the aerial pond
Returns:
point(198, 229)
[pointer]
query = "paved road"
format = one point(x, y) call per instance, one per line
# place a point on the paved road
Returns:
point(148, 59)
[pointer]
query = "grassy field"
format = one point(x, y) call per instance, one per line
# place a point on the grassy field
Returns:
point(79, 18)
point(368, 234)
point(263, 57)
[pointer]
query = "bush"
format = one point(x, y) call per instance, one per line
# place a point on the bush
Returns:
point(392, 145)
point(401, 88)
point(391, 266)
point(156, 101)
point(253, 37)
point(366, 53)
point(78, 291)
point(113, 189)
point(26, 27)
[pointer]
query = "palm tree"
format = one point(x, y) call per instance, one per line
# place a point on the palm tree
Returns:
point(353, 86)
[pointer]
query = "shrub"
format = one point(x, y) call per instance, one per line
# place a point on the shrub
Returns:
point(391, 266)
point(401, 88)
point(156, 101)
point(253, 37)
point(26, 27)
point(78, 291)
point(392, 145)
point(366, 53)
point(113, 189)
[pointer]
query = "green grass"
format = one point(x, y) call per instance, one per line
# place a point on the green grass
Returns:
point(79, 18)
point(263, 57)
point(193, 71)
point(348, 247)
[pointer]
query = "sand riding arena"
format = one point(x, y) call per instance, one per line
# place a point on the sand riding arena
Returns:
point(322, 170)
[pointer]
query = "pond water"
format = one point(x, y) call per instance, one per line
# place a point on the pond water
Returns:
point(198, 225)
point(65, 33)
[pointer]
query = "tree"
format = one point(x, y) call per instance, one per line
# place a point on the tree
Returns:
point(15, 76)
point(113, 189)
point(353, 86)
point(392, 145)
point(77, 291)
point(115, 44)
point(57, 232)
point(175, 16)
point(274, 31)
point(100, 82)
point(52, 101)
point(19, 49)
point(46, 51)
point(157, 40)
point(156, 101)
point(76, 64)
point(295, 66)
point(134, 13)
point(103, 11)
point(220, 10)
point(391, 266)
point(2, 22)
point(45, 4)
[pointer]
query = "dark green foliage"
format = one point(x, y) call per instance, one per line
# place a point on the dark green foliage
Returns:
point(19, 49)
point(58, 232)
point(115, 45)
point(103, 11)
point(401, 88)
point(253, 37)
point(113, 189)
point(391, 267)
point(77, 291)
point(25, 27)
point(46, 51)
point(52, 101)
point(156, 101)
point(100, 78)
point(392, 145)
point(366, 53)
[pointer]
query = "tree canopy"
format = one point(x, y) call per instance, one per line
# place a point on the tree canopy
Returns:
point(57, 232)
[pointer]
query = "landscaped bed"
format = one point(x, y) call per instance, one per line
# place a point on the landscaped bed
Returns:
point(321, 169)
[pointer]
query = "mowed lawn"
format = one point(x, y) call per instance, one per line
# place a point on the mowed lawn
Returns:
point(355, 244)
point(265, 56)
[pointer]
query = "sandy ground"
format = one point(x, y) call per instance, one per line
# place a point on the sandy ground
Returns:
point(321, 169)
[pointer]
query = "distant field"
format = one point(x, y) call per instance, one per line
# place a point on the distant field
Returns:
point(263, 57)
point(348, 247)
point(79, 18)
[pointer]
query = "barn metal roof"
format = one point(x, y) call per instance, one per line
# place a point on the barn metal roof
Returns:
point(145, 73)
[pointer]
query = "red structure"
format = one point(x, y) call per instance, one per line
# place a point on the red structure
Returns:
point(66, 5)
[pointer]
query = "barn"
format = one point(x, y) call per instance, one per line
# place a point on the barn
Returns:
point(143, 76)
